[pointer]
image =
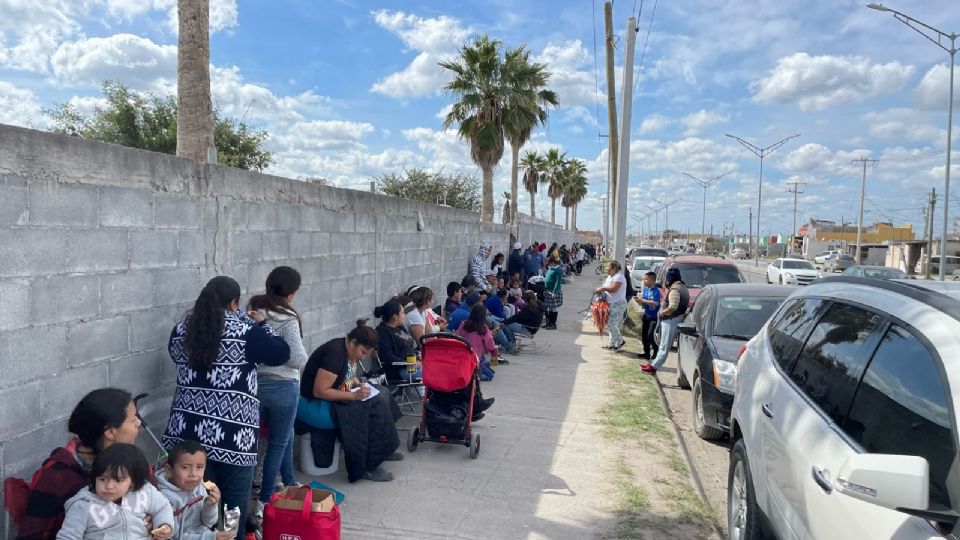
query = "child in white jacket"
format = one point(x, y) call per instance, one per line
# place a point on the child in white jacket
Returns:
point(194, 501)
point(119, 502)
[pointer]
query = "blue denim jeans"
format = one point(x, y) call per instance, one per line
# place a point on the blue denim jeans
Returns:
point(518, 328)
point(505, 338)
point(235, 483)
point(668, 331)
point(278, 408)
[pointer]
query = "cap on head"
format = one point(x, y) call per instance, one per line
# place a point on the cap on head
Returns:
point(517, 245)
point(673, 275)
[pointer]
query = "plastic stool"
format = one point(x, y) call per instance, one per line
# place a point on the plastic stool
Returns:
point(307, 465)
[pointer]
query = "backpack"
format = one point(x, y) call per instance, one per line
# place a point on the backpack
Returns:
point(16, 491)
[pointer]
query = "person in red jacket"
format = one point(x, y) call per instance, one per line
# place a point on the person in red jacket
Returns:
point(102, 418)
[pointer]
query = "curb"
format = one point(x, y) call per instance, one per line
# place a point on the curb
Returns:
point(691, 469)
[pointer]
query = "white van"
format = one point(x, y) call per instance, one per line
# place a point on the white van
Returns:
point(953, 263)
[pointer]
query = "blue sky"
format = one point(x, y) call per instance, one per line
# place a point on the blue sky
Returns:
point(349, 89)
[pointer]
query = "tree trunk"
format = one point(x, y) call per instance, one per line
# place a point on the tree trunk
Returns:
point(533, 205)
point(514, 181)
point(194, 109)
point(566, 218)
point(486, 204)
point(575, 217)
point(553, 210)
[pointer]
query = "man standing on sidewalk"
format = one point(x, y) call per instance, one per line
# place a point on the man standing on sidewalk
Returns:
point(649, 300)
point(515, 262)
point(671, 314)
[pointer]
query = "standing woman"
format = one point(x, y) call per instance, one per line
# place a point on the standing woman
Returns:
point(102, 418)
point(616, 288)
point(279, 386)
point(216, 349)
point(552, 296)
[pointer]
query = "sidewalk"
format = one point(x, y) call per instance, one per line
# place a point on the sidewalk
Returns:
point(543, 463)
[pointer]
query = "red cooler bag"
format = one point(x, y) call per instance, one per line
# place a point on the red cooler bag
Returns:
point(301, 514)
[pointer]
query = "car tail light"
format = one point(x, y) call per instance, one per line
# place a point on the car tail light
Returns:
point(743, 349)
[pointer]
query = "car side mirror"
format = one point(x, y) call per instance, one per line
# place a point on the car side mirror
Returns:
point(891, 481)
point(688, 329)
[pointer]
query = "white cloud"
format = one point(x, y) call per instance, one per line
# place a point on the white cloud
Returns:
point(932, 91)
point(701, 120)
point(133, 60)
point(653, 123)
point(19, 107)
point(692, 154)
point(30, 32)
point(324, 135)
point(569, 78)
point(817, 82)
point(436, 38)
point(904, 125)
point(223, 13)
point(581, 114)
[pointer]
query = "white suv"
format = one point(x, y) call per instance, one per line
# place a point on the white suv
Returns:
point(844, 421)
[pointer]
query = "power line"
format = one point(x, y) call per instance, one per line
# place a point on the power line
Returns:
point(596, 74)
point(646, 40)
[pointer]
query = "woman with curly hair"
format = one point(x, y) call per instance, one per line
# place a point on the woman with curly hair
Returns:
point(216, 349)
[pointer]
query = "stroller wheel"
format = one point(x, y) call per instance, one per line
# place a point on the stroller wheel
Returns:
point(475, 446)
point(413, 439)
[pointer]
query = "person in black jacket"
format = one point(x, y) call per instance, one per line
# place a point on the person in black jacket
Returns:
point(395, 343)
point(515, 262)
point(528, 319)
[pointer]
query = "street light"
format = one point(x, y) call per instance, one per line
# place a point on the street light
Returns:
point(952, 51)
point(760, 153)
point(703, 220)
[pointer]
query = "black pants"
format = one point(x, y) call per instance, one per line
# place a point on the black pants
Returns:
point(647, 334)
point(579, 267)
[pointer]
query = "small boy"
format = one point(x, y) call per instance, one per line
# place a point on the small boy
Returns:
point(454, 298)
point(649, 298)
point(194, 501)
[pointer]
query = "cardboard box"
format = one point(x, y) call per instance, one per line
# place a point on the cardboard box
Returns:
point(292, 498)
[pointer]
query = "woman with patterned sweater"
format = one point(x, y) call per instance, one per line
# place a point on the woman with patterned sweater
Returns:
point(216, 349)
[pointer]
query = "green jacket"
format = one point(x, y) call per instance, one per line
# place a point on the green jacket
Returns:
point(553, 279)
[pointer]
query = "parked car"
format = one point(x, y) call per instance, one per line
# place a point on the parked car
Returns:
point(739, 254)
point(645, 251)
point(787, 271)
point(838, 263)
point(953, 263)
point(698, 271)
point(642, 265)
point(726, 316)
point(835, 434)
point(956, 275)
point(876, 272)
point(821, 258)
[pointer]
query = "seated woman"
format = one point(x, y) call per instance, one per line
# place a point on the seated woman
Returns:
point(478, 334)
point(102, 418)
point(421, 319)
point(394, 343)
point(336, 405)
point(528, 319)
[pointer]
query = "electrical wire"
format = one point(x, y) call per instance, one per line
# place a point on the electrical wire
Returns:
point(596, 75)
point(646, 40)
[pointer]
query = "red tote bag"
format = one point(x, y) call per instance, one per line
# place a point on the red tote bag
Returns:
point(288, 517)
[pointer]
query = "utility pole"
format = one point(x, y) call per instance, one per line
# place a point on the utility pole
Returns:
point(863, 185)
point(932, 203)
point(705, 184)
point(761, 153)
point(750, 236)
point(796, 188)
point(623, 169)
point(605, 222)
point(612, 151)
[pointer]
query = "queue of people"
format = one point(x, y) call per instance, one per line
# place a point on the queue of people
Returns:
point(240, 369)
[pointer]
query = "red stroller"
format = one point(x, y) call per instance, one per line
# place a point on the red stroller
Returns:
point(449, 381)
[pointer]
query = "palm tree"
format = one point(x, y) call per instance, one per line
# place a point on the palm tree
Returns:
point(553, 173)
point(507, 206)
point(574, 189)
point(483, 93)
point(194, 109)
point(532, 164)
point(528, 107)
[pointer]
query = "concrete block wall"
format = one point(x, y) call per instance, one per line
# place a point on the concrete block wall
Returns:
point(103, 249)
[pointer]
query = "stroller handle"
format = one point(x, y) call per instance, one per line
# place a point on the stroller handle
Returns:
point(445, 335)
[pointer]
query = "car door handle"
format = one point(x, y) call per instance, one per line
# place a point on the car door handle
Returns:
point(767, 411)
point(821, 480)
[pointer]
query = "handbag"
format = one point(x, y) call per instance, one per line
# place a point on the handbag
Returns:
point(301, 514)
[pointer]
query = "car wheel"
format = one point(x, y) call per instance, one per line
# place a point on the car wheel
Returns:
point(768, 278)
point(705, 432)
point(682, 381)
point(743, 514)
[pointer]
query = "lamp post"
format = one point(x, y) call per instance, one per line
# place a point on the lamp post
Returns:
point(703, 219)
point(760, 153)
point(929, 32)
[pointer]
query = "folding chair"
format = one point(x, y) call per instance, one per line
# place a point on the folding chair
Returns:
point(406, 393)
point(528, 343)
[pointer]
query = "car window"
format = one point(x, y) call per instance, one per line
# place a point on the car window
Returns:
point(700, 308)
point(701, 275)
point(797, 265)
point(776, 264)
point(884, 273)
point(834, 356)
point(742, 316)
point(901, 408)
point(790, 327)
point(845, 257)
